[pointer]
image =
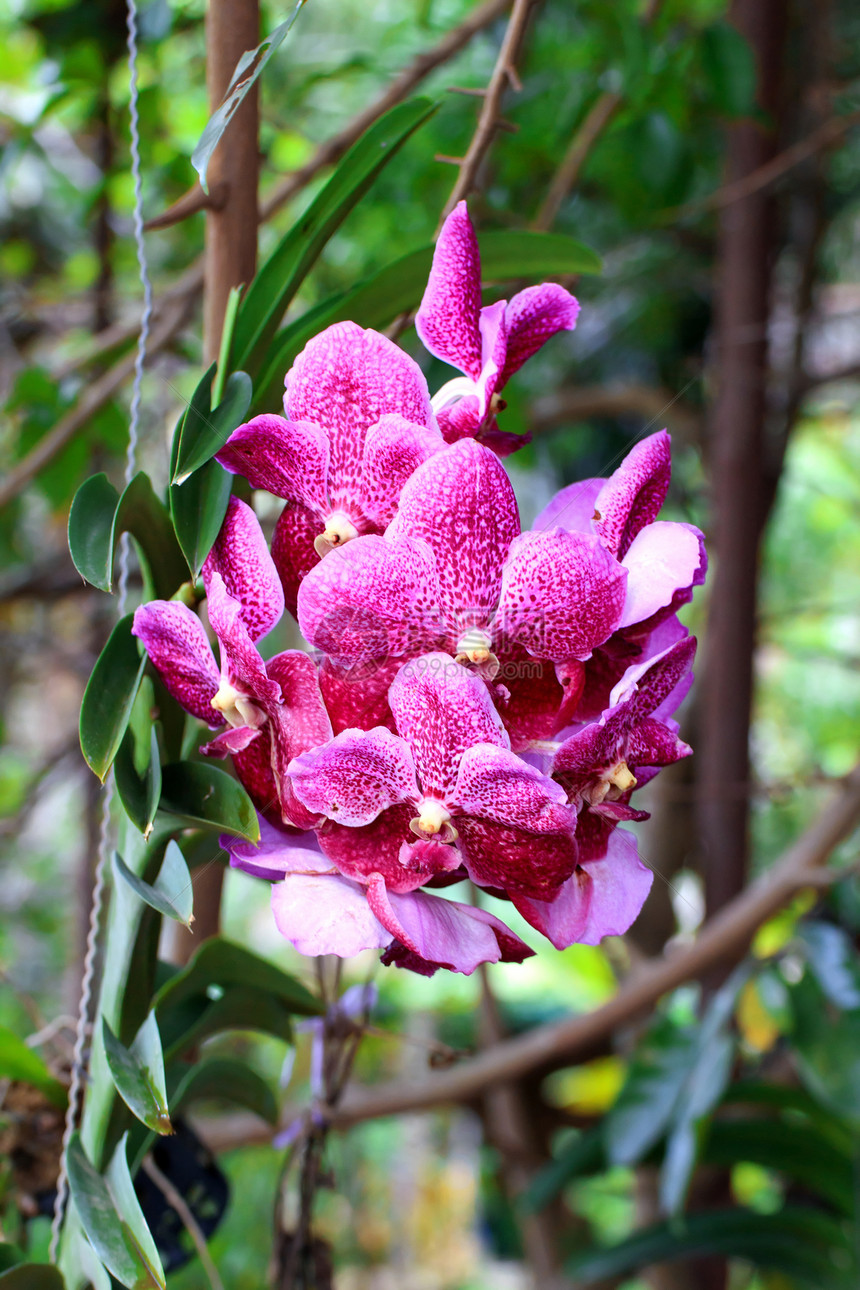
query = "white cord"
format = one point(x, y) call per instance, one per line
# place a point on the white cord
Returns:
point(104, 847)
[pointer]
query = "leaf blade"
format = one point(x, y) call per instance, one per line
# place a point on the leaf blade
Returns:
point(109, 697)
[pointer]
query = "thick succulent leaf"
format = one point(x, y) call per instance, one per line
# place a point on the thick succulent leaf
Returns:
point(794, 1149)
point(225, 1079)
point(220, 963)
point(238, 1008)
point(108, 698)
point(200, 438)
point(203, 794)
point(198, 506)
point(139, 791)
point(138, 1073)
point(172, 893)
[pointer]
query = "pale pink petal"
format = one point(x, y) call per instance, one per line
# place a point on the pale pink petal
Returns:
point(298, 722)
point(447, 319)
point(287, 458)
point(494, 347)
point(441, 709)
point(345, 380)
point(242, 558)
point(393, 451)
point(371, 599)
point(176, 643)
point(532, 317)
point(494, 783)
point(662, 560)
point(602, 898)
point(357, 775)
point(516, 860)
point(462, 503)
point(444, 933)
point(240, 659)
point(633, 495)
point(293, 550)
point(230, 742)
point(277, 853)
point(562, 594)
point(572, 508)
point(326, 915)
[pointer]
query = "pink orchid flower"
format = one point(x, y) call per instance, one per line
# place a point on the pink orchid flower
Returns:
point(273, 710)
point(488, 345)
point(358, 423)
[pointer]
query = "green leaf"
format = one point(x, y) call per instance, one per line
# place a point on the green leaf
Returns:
point(17, 1061)
point(826, 1049)
point(108, 698)
point(811, 1248)
point(139, 792)
point(729, 67)
point(794, 1149)
point(138, 1073)
point(833, 959)
point(99, 515)
point(10, 1256)
point(398, 288)
point(198, 506)
point(32, 1276)
point(109, 1219)
point(128, 1207)
point(204, 794)
point(220, 963)
point(280, 277)
point(248, 68)
point(200, 439)
point(585, 1155)
point(225, 1079)
point(172, 893)
point(644, 1107)
point(238, 1008)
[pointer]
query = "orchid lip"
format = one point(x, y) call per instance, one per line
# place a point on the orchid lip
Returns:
point(236, 708)
point(339, 529)
point(474, 646)
point(433, 820)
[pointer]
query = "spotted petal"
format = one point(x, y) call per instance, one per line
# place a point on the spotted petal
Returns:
point(497, 785)
point(240, 659)
point(287, 458)
point(393, 451)
point(531, 318)
point(345, 380)
point(293, 550)
point(633, 495)
point(176, 643)
point(448, 316)
point(241, 557)
point(516, 860)
point(356, 776)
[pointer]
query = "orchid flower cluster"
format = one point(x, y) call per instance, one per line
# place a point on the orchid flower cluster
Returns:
point(481, 702)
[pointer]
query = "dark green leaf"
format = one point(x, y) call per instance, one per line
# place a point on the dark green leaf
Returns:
point(91, 530)
point(10, 1256)
point(248, 68)
point(201, 439)
point(220, 963)
point(17, 1061)
point(127, 1205)
point(138, 1073)
point(198, 506)
point(729, 67)
point(796, 1150)
point(172, 893)
point(238, 1008)
point(109, 1229)
point(832, 957)
point(650, 1093)
point(204, 794)
point(139, 792)
point(585, 1155)
point(280, 277)
point(398, 288)
point(32, 1276)
point(811, 1248)
point(826, 1049)
point(99, 515)
point(225, 1079)
point(109, 696)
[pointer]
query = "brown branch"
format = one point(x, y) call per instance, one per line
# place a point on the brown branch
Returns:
point(172, 307)
point(579, 404)
point(598, 118)
point(824, 137)
point(725, 938)
point(489, 120)
point(177, 1202)
point(189, 204)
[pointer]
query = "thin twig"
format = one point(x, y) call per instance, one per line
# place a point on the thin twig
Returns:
point(177, 1202)
point(597, 119)
point(490, 118)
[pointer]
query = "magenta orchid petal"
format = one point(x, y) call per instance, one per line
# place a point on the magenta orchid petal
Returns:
point(516, 860)
point(562, 594)
point(298, 722)
point(240, 659)
point(462, 503)
point(633, 495)
point(230, 742)
point(345, 380)
point(377, 848)
point(441, 709)
point(240, 555)
point(448, 316)
point(253, 766)
point(494, 346)
point(357, 694)
point(393, 451)
point(371, 599)
point(602, 898)
point(652, 743)
point(326, 914)
point(648, 685)
point(663, 559)
point(572, 508)
point(357, 775)
point(445, 933)
point(531, 318)
point(293, 550)
point(287, 458)
point(176, 642)
point(276, 854)
point(460, 418)
point(495, 784)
